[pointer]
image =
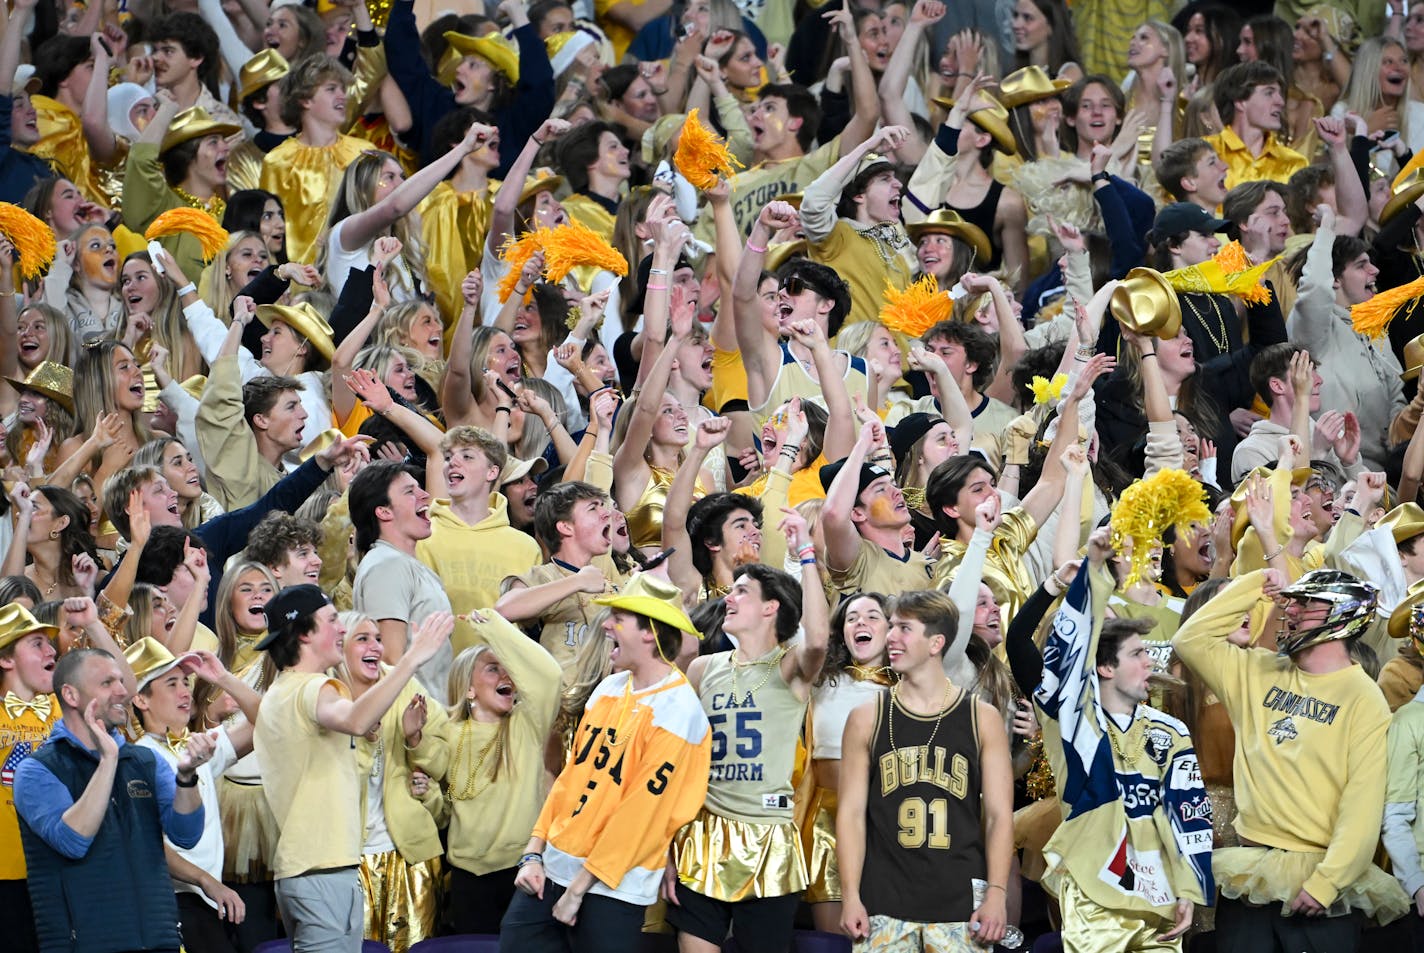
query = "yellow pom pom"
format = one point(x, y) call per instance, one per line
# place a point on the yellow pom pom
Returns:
point(916, 309)
point(1047, 391)
point(1168, 498)
point(702, 155)
point(33, 240)
point(1232, 258)
point(190, 221)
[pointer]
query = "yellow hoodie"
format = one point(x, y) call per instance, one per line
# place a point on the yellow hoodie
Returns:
point(471, 561)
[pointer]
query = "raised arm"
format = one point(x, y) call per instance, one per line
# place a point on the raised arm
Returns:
point(804, 662)
point(864, 97)
point(1068, 533)
point(506, 200)
point(896, 77)
point(821, 197)
point(1351, 202)
point(335, 712)
point(95, 120)
point(758, 349)
point(842, 538)
point(711, 433)
point(457, 395)
point(952, 405)
point(360, 229)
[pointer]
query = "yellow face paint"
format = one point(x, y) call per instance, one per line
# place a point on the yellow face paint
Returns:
point(881, 508)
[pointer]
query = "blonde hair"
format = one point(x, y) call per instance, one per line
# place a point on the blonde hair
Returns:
point(1363, 94)
point(151, 455)
point(94, 388)
point(57, 328)
point(220, 288)
point(1176, 58)
point(396, 322)
point(459, 701)
point(356, 194)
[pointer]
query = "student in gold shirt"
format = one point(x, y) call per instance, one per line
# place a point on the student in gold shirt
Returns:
point(1310, 777)
point(503, 698)
point(1250, 98)
point(573, 522)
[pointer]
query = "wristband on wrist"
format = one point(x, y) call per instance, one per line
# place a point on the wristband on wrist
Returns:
point(756, 249)
point(1102, 177)
point(187, 289)
point(190, 783)
point(655, 287)
point(657, 271)
point(1269, 557)
point(531, 858)
point(505, 409)
point(1147, 354)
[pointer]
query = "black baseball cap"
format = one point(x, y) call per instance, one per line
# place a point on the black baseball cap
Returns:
point(909, 431)
point(869, 473)
point(289, 605)
point(1182, 217)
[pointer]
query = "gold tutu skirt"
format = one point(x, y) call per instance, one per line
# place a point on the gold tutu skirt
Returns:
point(736, 860)
point(401, 898)
point(1262, 875)
point(818, 843)
point(249, 833)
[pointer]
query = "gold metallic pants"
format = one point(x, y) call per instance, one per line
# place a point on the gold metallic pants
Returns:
point(401, 898)
point(1089, 928)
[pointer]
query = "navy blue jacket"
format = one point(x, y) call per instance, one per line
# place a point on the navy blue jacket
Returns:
point(18, 170)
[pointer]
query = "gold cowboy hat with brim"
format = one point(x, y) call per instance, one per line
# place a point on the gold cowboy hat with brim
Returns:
point(654, 597)
point(264, 69)
point(1146, 304)
point(195, 123)
point(1405, 192)
point(324, 440)
point(1404, 522)
point(52, 380)
point(195, 385)
point(952, 223)
point(516, 469)
point(150, 659)
point(303, 319)
point(1029, 85)
point(16, 623)
point(993, 119)
point(1413, 357)
point(542, 179)
point(1240, 519)
point(1402, 618)
point(492, 47)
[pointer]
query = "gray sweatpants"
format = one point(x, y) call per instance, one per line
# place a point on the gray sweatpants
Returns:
point(323, 911)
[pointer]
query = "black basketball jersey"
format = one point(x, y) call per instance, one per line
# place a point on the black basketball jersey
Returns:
point(924, 840)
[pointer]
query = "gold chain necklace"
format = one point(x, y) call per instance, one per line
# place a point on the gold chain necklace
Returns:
point(468, 791)
point(908, 755)
point(879, 674)
point(1129, 745)
point(214, 206)
point(1223, 343)
point(770, 662)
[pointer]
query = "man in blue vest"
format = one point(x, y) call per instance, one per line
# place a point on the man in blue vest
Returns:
point(93, 811)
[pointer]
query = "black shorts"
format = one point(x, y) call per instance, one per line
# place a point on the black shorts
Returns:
point(760, 924)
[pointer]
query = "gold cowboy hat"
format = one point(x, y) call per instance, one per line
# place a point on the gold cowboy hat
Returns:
point(1405, 192)
point(542, 179)
point(1240, 519)
point(1144, 303)
point(264, 69)
point(654, 597)
point(952, 223)
point(993, 119)
point(54, 381)
point(1413, 358)
point(150, 659)
point(492, 47)
point(195, 123)
point(1029, 85)
point(1402, 618)
point(16, 623)
point(324, 440)
point(1405, 521)
point(303, 319)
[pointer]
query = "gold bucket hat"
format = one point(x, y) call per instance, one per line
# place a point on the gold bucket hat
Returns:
point(1029, 85)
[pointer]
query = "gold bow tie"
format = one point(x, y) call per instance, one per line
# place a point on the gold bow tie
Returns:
point(177, 743)
point(15, 706)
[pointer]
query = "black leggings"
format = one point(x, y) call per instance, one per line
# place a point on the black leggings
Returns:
point(477, 902)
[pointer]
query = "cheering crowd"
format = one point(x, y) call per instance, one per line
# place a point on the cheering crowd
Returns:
point(636, 474)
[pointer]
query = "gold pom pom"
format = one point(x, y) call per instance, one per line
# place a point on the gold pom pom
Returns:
point(702, 155)
point(574, 244)
point(1168, 498)
point(918, 308)
point(1372, 318)
point(33, 240)
point(516, 253)
point(190, 221)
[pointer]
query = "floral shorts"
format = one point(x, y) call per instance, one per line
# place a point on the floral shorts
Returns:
point(888, 935)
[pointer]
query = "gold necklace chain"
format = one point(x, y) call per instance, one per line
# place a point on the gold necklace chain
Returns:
point(909, 755)
point(1223, 343)
point(214, 206)
point(770, 662)
point(468, 791)
point(1129, 745)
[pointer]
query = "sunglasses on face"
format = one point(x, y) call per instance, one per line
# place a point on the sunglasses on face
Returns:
point(793, 285)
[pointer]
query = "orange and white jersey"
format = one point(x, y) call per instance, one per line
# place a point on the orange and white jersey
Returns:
point(637, 773)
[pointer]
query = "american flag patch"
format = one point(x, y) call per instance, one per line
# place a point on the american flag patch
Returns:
point(20, 752)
